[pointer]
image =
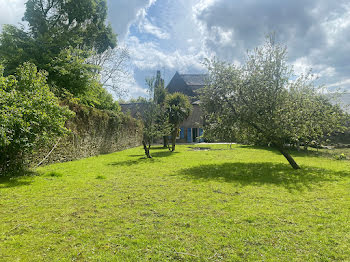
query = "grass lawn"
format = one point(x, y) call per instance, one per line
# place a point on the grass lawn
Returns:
point(239, 204)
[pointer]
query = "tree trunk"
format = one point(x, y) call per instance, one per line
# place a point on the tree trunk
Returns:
point(165, 141)
point(146, 149)
point(173, 139)
point(289, 158)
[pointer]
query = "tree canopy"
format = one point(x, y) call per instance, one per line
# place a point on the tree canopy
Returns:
point(260, 101)
point(178, 108)
point(62, 37)
point(78, 23)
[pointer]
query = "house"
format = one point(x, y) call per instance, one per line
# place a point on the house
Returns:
point(192, 128)
point(187, 84)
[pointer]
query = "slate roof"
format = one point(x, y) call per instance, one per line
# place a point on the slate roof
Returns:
point(195, 118)
point(187, 83)
point(194, 79)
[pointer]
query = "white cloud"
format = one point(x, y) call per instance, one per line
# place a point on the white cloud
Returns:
point(147, 27)
point(133, 89)
point(122, 14)
point(149, 56)
point(301, 65)
point(340, 84)
point(11, 11)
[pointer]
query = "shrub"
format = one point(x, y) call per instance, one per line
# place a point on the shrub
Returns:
point(30, 115)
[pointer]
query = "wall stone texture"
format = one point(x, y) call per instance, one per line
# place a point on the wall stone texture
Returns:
point(93, 132)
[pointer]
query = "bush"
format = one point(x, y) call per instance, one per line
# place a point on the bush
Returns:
point(30, 115)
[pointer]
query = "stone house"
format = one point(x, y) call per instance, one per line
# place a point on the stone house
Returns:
point(192, 128)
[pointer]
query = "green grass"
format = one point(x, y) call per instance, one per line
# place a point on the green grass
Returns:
point(239, 204)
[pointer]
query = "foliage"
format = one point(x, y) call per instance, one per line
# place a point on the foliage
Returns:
point(69, 64)
point(159, 91)
point(78, 23)
point(178, 108)
point(29, 115)
point(140, 99)
point(64, 71)
point(17, 47)
point(260, 100)
point(243, 204)
point(61, 39)
point(154, 124)
point(155, 119)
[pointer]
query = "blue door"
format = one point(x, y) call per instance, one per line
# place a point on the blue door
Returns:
point(200, 134)
point(189, 135)
point(182, 133)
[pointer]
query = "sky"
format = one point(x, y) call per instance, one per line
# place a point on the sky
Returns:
point(177, 35)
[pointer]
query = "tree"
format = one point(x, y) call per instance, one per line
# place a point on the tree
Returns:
point(78, 23)
point(61, 38)
point(159, 92)
point(30, 115)
point(261, 101)
point(153, 125)
point(71, 63)
point(178, 108)
point(113, 70)
point(155, 119)
point(159, 95)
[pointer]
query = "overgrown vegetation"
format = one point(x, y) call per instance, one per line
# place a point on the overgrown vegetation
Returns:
point(64, 38)
point(239, 204)
point(64, 54)
point(30, 116)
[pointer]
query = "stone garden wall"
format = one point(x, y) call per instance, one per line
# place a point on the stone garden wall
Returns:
point(93, 132)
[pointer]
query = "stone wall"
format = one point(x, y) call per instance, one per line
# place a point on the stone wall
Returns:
point(93, 132)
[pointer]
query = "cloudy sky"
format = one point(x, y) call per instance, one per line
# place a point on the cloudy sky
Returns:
point(176, 35)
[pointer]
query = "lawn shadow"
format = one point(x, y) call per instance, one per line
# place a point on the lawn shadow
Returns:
point(141, 159)
point(262, 173)
point(311, 152)
point(24, 178)
point(158, 147)
point(164, 153)
point(127, 162)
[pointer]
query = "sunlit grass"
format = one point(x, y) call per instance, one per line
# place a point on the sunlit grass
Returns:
point(223, 204)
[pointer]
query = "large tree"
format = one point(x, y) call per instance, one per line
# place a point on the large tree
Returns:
point(61, 38)
point(178, 108)
point(78, 23)
point(263, 100)
point(55, 25)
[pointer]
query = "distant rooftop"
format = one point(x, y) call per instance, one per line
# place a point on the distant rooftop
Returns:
point(187, 84)
point(194, 79)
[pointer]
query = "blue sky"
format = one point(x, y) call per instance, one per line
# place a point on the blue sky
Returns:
point(176, 35)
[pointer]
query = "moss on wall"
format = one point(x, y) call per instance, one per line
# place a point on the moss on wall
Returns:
point(93, 132)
